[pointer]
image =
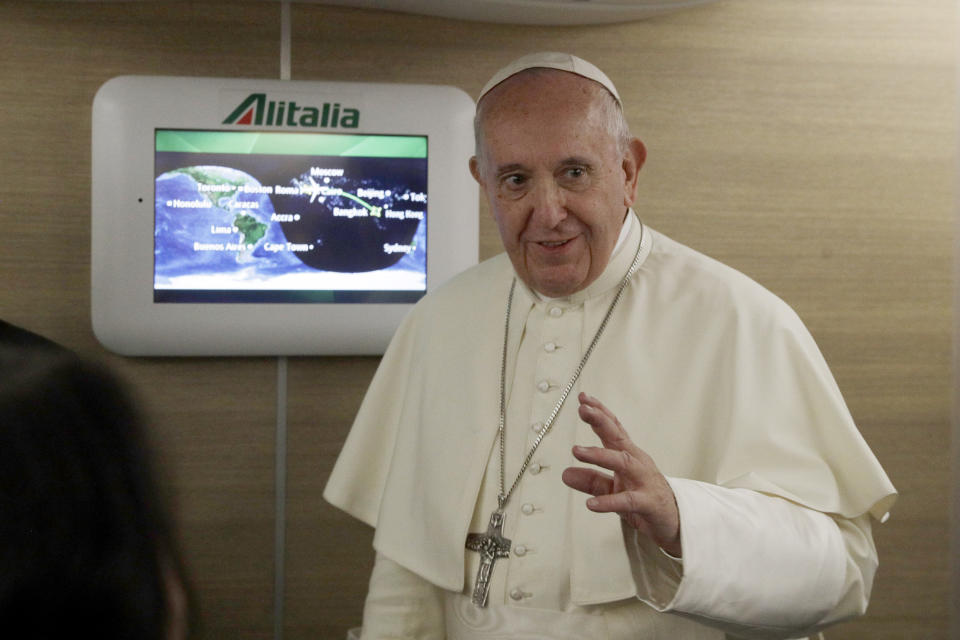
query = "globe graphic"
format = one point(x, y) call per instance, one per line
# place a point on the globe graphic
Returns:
point(238, 218)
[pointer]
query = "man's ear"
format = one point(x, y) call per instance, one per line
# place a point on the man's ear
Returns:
point(475, 170)
point(633, 161)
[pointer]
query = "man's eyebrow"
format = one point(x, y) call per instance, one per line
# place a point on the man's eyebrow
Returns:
point(575, 160)
point(509, 168)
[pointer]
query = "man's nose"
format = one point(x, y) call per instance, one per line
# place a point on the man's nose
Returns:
point(549, 204)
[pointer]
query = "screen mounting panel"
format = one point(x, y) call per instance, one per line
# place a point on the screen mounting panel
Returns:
point(264, 217)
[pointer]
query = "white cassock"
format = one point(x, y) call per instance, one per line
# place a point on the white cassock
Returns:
point(712, 375)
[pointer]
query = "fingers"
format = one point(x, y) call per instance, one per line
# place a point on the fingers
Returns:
point(587, 480)
point(610, 459)
point(612, 435)
point(653, 513)
point(604, 423)
point(624, 502)
point(637, 491)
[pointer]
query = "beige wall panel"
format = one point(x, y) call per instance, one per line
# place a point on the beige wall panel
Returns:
point(213, 420)
point(329, 554)
point(809, 144)
point(213, 424)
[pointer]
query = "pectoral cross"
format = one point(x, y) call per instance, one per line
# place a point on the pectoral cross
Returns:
point(491, 545)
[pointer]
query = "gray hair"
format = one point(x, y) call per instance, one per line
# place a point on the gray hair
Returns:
point(615, 122)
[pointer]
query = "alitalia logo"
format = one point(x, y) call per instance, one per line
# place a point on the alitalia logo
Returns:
point(257, 110)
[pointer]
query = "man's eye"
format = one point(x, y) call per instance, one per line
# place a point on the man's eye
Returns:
point(574, 177)
point(514, 181)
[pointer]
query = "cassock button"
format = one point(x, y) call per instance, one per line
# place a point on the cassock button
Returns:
point(526, 509)
point(556, 312)
point(520, 550)
point(550, 347)
point(543, 386)
point(536, 426)
point(516, 594)
point(536, 468)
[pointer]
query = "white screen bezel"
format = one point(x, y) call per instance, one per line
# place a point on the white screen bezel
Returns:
point(126, 113)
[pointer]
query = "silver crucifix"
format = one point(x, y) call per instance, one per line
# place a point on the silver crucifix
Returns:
point(491, 545)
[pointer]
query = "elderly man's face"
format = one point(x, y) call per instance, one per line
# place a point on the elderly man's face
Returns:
point(557, 182)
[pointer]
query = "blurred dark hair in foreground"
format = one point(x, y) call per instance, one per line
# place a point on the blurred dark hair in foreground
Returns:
point(86, 546)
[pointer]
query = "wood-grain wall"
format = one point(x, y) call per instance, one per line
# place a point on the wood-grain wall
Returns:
point(809, 143)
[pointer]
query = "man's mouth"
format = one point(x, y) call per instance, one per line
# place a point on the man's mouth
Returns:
point(550, 244)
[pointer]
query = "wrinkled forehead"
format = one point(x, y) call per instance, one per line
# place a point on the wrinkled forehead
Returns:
point(545, 118)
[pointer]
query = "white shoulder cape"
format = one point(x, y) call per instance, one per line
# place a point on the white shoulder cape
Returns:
point(714, 376)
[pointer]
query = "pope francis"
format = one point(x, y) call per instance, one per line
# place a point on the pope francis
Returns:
point(602, 433)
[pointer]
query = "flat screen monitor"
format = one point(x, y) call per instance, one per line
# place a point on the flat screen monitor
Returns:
point(289, 217)
point(244, 217)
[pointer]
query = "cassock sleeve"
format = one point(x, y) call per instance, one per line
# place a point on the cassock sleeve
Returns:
point(757, 566)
